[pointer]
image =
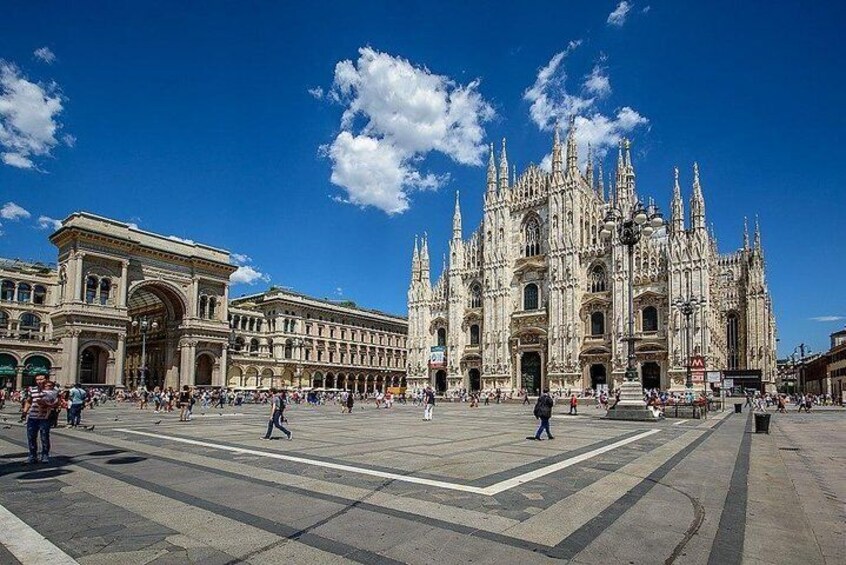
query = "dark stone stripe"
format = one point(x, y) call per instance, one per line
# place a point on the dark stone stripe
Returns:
point(576, 542)
point(727, 548)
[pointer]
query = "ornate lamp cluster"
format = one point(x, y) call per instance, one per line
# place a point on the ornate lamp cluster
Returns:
point(629, 227)
point(144, 325)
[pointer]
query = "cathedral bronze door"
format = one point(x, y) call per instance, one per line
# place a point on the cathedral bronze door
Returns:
point(530, 367)
point(598, 377)
point(651, 372)
point(440, 382)
point(475, 380)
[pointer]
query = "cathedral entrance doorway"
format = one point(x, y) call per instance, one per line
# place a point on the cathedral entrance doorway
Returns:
point(440, 382)
point(530, 368)
point(475, 380)
point(598, 377)
point(651, 372)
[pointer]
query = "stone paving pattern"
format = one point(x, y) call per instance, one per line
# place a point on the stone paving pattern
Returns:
point(695, 492)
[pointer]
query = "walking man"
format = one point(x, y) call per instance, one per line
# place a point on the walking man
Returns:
point(429, 403)
point(277, 409)
point(574, 405)
point(39, 403)
point(76, 400)
point(350, 401)
point(543, 412)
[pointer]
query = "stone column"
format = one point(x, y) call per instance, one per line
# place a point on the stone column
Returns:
point(185, 363)
point(124, 284)
point(223, 375)
point(78, 276)
point(73, 358)
point(19, 378)
point(120, 358)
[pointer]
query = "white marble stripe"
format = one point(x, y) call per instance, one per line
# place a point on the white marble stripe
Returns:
point(679, 423)
point(26, 544)
point(487, 491)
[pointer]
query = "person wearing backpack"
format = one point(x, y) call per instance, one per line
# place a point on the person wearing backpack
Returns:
point(277, 409)
point(543, 412)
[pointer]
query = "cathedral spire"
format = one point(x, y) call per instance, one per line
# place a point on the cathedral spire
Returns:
point(424, 259)
point(624, 185)
point(572, 150)
point(491, 174)
point(456, 219)
point(677, 205)
point(589, 168)
point(757, 241)
point(697, 202)
point(745, 234)
point(415, 262)
point(557, 157)
point(503, 169)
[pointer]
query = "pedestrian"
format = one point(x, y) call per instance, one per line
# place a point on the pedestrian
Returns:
point(277, 409)
point(429, 403)
point(574, 405)
point(76, 401)
point(40, 401)
point(350, 402)
point(184, 403)
point(525, 397)
point(543, 412)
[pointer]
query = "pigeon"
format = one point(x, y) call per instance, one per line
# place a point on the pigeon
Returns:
point(90, 428)
point(5, 418)
point(7, 427)
point(117, 419)
point(157, 423)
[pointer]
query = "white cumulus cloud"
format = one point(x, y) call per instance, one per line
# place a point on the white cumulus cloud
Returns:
point(28, 117)
point(395, 114)
point(239, 258)
point(245, 274)
point(316, 92)
point(46, 222)
point(11, 211)
point(45, 55)
point(618, 16)
point(551, 103)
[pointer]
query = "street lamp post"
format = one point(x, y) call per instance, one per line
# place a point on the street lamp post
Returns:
point(803, 349)
point(629, 228)
point(144, 326)
point(687, 307)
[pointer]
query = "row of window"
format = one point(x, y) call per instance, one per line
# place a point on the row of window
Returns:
point(208, 307)
point(648, 321)
point(97, 290)
point(23, 292)
point(361, 359)
point(28, 323)
point(289, 326)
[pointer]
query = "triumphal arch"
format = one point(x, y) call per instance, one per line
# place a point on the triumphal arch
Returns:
point(120, 287)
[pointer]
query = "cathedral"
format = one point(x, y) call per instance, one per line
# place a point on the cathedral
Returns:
point(537, 298)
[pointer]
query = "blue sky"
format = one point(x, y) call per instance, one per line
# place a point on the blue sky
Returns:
point(227, 123)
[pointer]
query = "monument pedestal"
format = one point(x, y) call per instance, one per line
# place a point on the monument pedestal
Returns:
point(631, 405)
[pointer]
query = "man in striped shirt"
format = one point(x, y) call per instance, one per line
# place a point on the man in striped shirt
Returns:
point(42, 399)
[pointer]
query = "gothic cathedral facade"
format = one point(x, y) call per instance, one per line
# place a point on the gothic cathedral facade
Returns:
point(536, 298)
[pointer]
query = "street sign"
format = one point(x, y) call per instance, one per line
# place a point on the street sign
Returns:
point(697, 368)
point(714, 377)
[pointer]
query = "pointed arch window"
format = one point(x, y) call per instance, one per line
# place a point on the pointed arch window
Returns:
point(530, 297)
point(476, 296)
point(532, 237)
point(596, 280)
point(733, 340)
point(474, 334)
point(441, 337)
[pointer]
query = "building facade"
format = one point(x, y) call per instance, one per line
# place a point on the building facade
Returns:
point(281, 338)
point(536, 298)
point(84, 320)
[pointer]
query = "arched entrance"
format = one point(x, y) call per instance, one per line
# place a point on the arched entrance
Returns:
point(266, 378)
point(440, 382)
point(475, 380)
point(251, 377)
point(317, 380)
point(34, 366)
point(92, 365)
point(8, 370)
point(530, 368)
point(598, 377)
point(330, 380)
point(379, 383)
point(651, 373)
point(368, 388)
point(203, 370)
point(156, 311)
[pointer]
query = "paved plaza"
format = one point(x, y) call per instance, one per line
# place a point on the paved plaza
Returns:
point(383, 486)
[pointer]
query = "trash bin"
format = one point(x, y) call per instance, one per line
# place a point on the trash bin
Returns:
point(738, 408)
point(762, 423)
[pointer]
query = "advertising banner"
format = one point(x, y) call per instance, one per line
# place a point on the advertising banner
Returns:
point(437, 357)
